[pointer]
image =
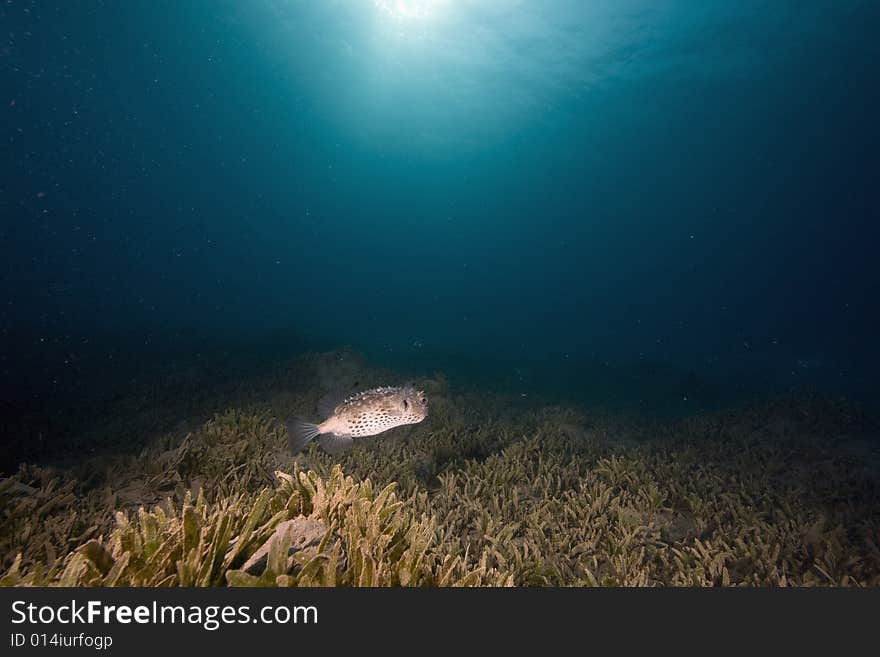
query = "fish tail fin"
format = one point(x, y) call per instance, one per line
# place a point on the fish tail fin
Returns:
point(300, 433)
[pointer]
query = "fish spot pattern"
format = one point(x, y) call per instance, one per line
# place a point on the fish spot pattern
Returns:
point(373, 411)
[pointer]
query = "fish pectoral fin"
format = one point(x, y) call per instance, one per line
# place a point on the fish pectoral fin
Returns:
point(335, 443)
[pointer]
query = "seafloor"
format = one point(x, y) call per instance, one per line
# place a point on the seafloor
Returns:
point(200, 491)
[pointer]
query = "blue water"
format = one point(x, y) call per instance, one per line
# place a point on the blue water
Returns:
point(557, 193)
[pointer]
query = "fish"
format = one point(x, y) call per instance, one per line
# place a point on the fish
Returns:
point(367, 413)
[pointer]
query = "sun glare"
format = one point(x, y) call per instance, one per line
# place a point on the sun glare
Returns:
point(410, 9)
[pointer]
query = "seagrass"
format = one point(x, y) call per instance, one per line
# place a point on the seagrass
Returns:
point(483, 493)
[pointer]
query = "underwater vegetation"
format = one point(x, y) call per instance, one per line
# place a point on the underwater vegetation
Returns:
point(482, 493)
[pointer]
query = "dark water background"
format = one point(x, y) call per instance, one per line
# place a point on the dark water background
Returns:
point(659, 205)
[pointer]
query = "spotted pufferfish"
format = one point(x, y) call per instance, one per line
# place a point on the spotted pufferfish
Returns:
point(365, 414)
